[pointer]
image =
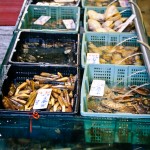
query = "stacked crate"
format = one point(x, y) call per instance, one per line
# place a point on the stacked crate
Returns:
point(10, 11)
point(98, 127)
point(113, 74)
point(48, 49)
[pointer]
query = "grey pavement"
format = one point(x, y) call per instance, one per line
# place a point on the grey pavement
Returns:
point(6, 33)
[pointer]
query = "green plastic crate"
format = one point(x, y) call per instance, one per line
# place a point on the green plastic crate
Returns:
point(112, 74)
point(112, 130)
point(104, 39)
point(141, 132)
point(126, 13)
point(108, 130)
point(123, 131)
point(56, 13)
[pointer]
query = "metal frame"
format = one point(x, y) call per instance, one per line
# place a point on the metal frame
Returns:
point(142, 36)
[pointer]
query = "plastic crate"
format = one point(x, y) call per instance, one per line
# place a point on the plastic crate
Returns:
point(113, 75)
point(43, 53)
point(108, 130)
point(105, 39)
point(96, 130)
point(141, 132)
point(18, 74)
point(123, 131)
point(99, 131)
point(56, 13)
point(85, 3)
point(10, 11)
point(42, 129)
point(36, 1)
point(126, 13)
point(112, 130)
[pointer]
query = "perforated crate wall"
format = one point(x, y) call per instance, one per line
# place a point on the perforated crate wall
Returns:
point(119, 130)
point(141, 132)
point(99, 131)
point(105, 39)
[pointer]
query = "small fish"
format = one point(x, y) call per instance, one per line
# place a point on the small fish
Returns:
point(140, 90)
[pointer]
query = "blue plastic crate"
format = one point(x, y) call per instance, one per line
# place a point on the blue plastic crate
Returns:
point(105, 39)
point(56, 13)
point(126, 13)
point(113, 75)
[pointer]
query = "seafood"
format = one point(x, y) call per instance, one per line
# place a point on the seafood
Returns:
point(20, 87)
point(111, 11)
point(12, 90)
point(7, 103)
point(56, 24)
point(95, 16)
point(101, 30)
point(31, 99)
point(94, 25)
point(117, 54)
point(107, 24)
point(139, 108)
point(97, 107)
point(26, 58)
point(100, 3)
point(116, 100)
point(56, 51)
point(112, 105)
point(110, 21)
point(22, 96)
point(57, 3)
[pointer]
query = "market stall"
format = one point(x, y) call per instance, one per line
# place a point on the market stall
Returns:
point(76, 72)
